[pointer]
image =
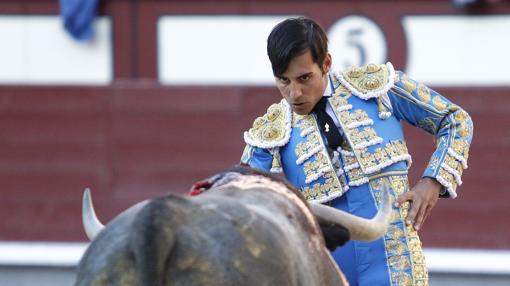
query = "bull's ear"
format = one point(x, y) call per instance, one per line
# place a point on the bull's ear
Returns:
point(335, 235)
point(91, 224)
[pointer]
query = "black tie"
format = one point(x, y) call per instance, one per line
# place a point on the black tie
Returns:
point(326, 124)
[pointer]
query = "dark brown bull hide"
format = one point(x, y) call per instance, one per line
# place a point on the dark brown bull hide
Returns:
point(246, 230)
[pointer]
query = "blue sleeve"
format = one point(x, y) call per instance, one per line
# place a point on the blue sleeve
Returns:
point(423, 107)
point(257, 158)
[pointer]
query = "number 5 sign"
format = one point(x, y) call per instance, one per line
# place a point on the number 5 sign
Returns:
point(356, 41)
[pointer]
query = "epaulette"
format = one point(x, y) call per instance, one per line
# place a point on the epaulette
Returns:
point(370, 81)
point(273, 129)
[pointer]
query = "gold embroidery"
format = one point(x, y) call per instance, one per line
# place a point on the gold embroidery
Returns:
point(367, 78)
point(395, 214)
point(409, 84)
point(461, 147)
point(439, 103)
point(395, 232)
point(318, 164)
point(414, 242)
point(300, 120)
point(355, 72)
point(461, 115)
point(259, 122)
point(312, 141)
point(399, 184)
point(404, 210)
point(455, 163)
point(379, 155)
point(423, 93)
point(313, 167)
point(428, 124)
point(420, 271)
point(274, 112)
point(408, 233)
point(362, 137)
point(371, 83)
point(399, 262)
point(271, 133)
point(419, 258)
point(338, 100)
point(349, 160)
point(358, 137)
point(270, 129)
point(464, 130)
point(395, 247)
point(403, 247)
point(354, 117)
point(356, 174)
point(401, 278)
point(305, 121)
point(458, 159)
point(331, 186)
point(343, 116)
point(450, 161)
point(340, 89)
point(382, 157)
point(367, 159)
point(276, 165)
point(434, 163)
point(372, 68)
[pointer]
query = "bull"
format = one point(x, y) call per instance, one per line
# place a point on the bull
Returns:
point(248, 228)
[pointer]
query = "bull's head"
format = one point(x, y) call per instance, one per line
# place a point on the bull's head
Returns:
point(359, 228)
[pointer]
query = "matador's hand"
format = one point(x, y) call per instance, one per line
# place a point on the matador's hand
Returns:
point(423, 197)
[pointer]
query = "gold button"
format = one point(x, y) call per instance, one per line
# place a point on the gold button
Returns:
point(355, 72)
point(372, 83)
point(371, 68)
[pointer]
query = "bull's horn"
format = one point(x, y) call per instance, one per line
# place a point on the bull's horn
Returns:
point(91, 224)
point(360, 228)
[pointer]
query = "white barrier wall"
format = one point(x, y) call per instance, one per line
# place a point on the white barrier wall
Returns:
point(37, 50)
point(443, 50)
point(215, 50)
point(458, 50)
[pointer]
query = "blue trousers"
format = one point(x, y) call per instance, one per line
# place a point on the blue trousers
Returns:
point(395, 259)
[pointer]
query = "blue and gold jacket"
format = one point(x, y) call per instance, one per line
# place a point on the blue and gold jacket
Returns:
point(369, 103)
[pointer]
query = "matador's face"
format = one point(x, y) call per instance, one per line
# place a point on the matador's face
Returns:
point(303, 83)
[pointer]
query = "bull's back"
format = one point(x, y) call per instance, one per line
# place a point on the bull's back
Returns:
point(210, 240)
point(224, 242)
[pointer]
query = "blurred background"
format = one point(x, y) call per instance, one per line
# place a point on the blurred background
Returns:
point(138, 98)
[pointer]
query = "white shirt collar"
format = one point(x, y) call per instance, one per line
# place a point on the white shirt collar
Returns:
point(329, 109)
point(329, 87)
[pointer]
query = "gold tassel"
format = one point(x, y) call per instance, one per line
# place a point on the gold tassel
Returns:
point(276, 165)
point(383, 113)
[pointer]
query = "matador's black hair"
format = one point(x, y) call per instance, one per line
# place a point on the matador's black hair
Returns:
point(294, 37)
